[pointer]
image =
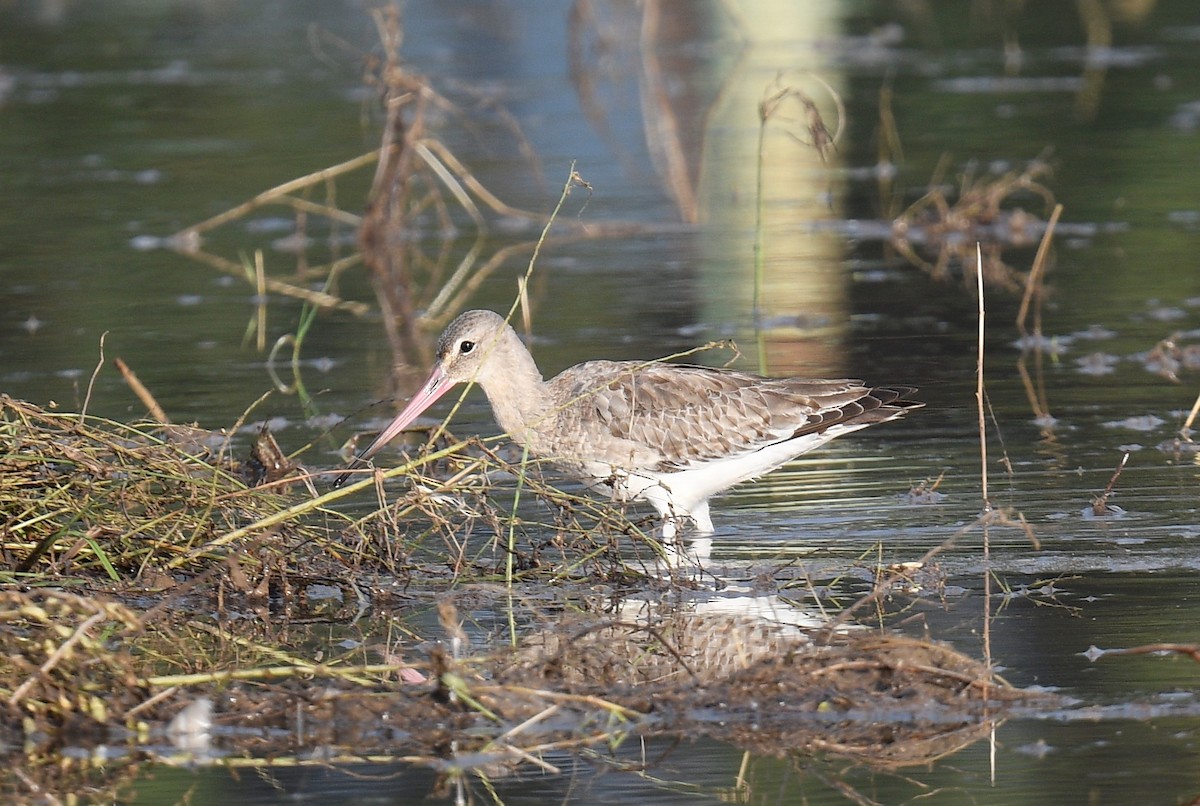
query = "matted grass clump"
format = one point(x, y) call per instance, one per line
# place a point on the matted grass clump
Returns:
point(78, 675)
point(100, 499)
point(153, 505)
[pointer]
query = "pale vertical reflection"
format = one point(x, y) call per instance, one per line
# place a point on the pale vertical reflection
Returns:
point(803, 303)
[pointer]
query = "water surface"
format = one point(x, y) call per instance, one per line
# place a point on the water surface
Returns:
point(123, 124)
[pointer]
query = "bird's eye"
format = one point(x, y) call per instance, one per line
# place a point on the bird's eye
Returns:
point(466, 347)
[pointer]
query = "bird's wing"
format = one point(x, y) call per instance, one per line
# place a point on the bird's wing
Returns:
point(677, 415)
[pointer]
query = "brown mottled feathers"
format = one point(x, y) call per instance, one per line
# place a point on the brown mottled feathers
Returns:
point(689, 414)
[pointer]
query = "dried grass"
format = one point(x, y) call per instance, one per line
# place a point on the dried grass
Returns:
point(575, 685)
point(981, 213)
point(98, 500)
point(95, 501)
point(96, 497)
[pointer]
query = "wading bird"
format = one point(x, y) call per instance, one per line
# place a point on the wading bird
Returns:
point(670, 434)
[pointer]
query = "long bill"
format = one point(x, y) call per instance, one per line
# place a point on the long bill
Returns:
point(434, 387)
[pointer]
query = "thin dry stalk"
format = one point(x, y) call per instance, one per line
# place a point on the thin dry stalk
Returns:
point(92, 381)
point(306, 671)
point(260, 309)
point(1100, 505)
point(281, 194)
point(1185, 431)
point(143, 394)
point(983, 471)
point(1190, 650)
point(480, 191)
point(979, 394)
point(1033, 283)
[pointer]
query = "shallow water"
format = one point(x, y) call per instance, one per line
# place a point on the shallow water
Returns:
point(123, 124)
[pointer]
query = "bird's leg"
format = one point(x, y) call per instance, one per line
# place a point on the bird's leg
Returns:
point(675, 523)
point(669, 528)
point(702, 519)
point(685, 550)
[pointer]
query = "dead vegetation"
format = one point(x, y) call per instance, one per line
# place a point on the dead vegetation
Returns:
point(948, 224)
point(88, 498)
point(1171, 356)
point(86, 672)
point(119, 538)
point(431, 232)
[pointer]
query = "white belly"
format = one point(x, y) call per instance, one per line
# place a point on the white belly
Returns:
point(684, 493)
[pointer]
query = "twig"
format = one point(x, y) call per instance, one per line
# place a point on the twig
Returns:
point(56, 656)
point(274, 285)
point(300, 670)
point(451, 182)
point(260, 296)
point(1033, 282)
point(143, 394)
point(1191, 650)
point(983, 479)
point(474, 185)
point(1191, 418)
point(1100, 505)
point(92, 381)
point(275, 194)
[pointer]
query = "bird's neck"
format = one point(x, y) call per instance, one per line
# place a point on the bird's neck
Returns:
point(520, 399)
